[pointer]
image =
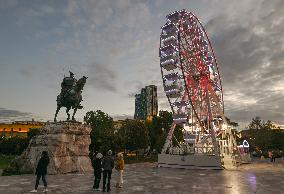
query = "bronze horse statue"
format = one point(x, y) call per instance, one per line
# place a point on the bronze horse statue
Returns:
point(71, 98)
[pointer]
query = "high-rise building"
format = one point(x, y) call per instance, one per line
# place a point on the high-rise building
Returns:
point(146, 103)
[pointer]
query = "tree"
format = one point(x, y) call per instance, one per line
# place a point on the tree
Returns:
point(135, 135)
point(166, 119)
point(159, 128)
point(102, 134)
point(13, 146)
point(231, 123)
point(265, 135)
point(256, 123)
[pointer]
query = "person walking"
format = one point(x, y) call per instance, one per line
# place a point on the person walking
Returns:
point(270, 155)
point(41, 171)
point(97, 164)
point(261, 155)
point(119, 167)
point(108, 164)
point(273, 156)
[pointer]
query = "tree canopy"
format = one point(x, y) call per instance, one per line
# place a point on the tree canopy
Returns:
point(265, 135)
point(102, 134)
point(159, 127)
point(135, 135)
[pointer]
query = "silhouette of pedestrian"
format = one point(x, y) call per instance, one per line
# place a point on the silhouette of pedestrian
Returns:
point(97, 164)
point(41, 171)
point(270, 155)
point(273, 156)
point(108, 164)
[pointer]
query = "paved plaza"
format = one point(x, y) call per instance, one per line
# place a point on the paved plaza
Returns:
point(147, 178)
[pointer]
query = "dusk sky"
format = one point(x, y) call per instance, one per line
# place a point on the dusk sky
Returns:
point(115, 43)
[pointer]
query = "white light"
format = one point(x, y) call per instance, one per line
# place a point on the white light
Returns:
point(224, 126)
point(245, 144)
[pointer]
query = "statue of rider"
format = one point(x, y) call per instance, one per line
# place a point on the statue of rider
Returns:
point(67, 85)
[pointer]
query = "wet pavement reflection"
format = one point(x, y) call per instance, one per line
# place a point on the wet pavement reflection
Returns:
point(260, 178)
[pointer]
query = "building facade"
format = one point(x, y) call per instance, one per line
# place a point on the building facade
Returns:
point(18, 128)
point(146, 103)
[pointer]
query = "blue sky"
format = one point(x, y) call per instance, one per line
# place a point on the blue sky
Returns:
point(115, 43)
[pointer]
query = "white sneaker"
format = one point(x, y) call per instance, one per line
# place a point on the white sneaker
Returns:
point(45, 190)
point(33, 191)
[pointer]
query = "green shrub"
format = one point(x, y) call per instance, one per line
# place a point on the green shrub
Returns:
point(5, 160)
point(13, 146)
point(33, 132)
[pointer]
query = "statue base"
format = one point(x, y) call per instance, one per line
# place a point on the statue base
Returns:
point(67, 144)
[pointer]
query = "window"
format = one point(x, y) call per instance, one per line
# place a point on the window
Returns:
point(20, 129)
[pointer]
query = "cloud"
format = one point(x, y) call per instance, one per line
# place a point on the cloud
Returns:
point(249, 46)
point(118, 43)
point(101, 76)
point(12, 115)
point(5, 4)
point(121, 117)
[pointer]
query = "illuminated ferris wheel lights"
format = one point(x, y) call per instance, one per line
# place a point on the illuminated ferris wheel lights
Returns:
point(224, 126)
point(193, 87)
point(166, 57)
point(174, 17)
point(173, 95)
point(171, 77)
point(180, 104)
point(172, 91)
point(167, 62)
point(168, 50)
point(169, 28)
point(169, 66)
point(192, 52)
point(171, 88)
point(170, 40)
point(180, 118)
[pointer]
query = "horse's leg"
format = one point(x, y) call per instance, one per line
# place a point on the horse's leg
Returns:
point(57, 110)
point(75, 110)
point(67, 111)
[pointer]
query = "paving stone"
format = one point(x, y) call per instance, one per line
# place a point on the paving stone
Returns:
point(147, 178)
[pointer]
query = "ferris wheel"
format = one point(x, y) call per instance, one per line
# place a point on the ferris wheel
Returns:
point(192, 84)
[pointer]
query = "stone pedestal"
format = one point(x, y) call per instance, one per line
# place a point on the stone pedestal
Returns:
point(67, 144)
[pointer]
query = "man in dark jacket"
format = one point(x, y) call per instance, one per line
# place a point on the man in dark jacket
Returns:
point(41, 171)
point(108, 164)
point(97, 165)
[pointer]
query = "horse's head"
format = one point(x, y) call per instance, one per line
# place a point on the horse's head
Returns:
point(80, 83)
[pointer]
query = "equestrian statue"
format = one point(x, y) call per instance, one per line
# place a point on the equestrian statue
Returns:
point(70, 95)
